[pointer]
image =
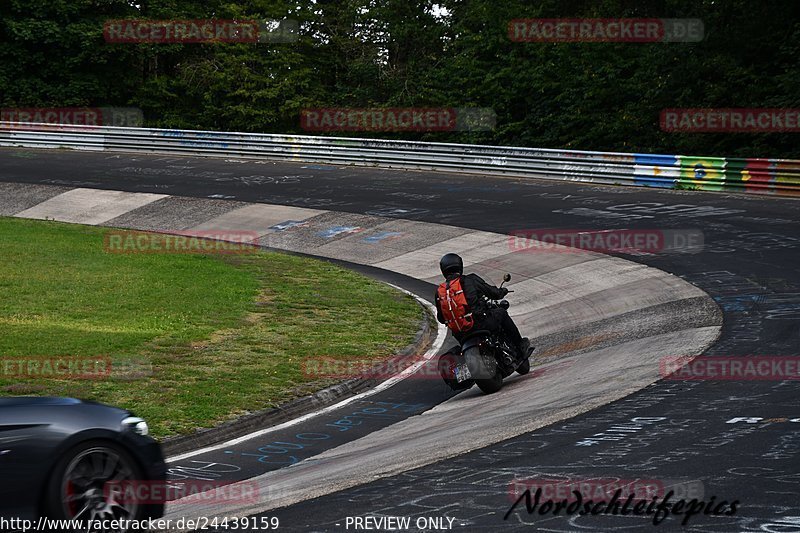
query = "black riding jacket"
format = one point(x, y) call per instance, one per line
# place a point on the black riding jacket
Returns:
point(474, 288)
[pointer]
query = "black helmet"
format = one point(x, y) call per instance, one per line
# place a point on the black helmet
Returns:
point(450, 264)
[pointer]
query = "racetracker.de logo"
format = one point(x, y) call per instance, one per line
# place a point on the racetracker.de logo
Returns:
point(738, 368)
point(186, 242)
point(632, 241)
point(200, 31)
point(604, 489)
point(733, 120)
point(365, 368)
point(65, 367)
point(187, 492)
point(398, 119)
point(23, 117)
point(631, 30)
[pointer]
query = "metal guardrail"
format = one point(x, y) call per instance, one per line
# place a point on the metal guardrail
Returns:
point(764, 176)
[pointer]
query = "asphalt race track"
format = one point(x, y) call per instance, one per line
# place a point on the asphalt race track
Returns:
point(685, 433)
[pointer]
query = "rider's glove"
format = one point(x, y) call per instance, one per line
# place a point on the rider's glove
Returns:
point(504, 291)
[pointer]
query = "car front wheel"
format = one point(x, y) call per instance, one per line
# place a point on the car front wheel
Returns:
point(96, 481)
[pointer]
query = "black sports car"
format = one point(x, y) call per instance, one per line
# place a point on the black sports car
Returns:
point(58, 457)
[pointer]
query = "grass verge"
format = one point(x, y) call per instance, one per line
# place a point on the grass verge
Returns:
point(192, 339)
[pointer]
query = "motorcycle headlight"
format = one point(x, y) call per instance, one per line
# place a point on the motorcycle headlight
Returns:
point(136, 424)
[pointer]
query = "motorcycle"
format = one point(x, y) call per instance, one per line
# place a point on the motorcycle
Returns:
point(484, 358)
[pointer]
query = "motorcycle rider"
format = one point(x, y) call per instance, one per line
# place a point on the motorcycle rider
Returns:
point(475, 288)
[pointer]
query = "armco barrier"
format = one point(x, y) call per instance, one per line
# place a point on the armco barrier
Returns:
point(764, 176)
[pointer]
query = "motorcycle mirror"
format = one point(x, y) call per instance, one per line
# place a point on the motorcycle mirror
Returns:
point(507, 277)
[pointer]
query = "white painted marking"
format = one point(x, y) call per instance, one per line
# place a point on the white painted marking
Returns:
point(441, 334)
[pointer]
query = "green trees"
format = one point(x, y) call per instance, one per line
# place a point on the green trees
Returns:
point(423, 53)
point(52, 54)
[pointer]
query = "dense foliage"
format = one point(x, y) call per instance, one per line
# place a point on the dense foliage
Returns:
point(424, 53)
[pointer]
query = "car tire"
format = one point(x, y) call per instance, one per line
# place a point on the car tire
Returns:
point(77, 484)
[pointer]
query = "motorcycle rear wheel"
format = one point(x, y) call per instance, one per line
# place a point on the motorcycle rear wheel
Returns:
point(478, 367)
point(491, 385)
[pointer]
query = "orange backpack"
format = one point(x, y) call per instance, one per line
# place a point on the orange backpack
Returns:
point(453, 303)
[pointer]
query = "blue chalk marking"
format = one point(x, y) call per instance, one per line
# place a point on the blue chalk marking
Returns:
point(307, 436)
point(288, 224)
point(383, 235)
point(338, 230)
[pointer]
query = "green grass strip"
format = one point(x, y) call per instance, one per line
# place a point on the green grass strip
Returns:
point(192, 339)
